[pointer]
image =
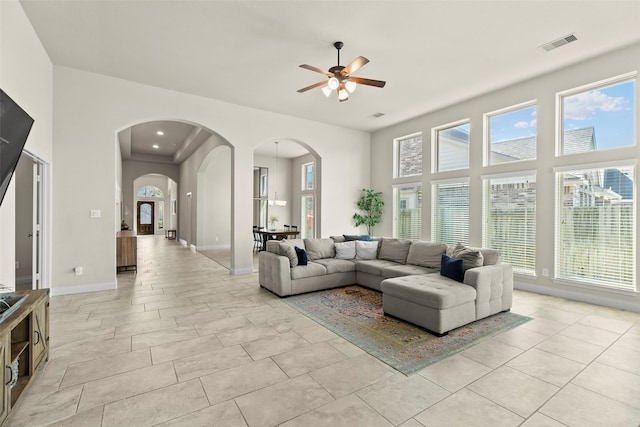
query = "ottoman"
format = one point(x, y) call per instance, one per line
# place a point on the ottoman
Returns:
point(435, 302)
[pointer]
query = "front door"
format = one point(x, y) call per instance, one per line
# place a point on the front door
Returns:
point(145, 218)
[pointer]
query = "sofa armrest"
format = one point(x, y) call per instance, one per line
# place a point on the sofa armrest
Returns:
point(274, 273)
point(494, 288)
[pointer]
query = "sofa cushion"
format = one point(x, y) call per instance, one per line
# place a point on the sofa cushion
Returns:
point(373, 266)
point(366, 250)
point(319, 248)
point(312, 269)
point(302, 256)
point(296, 242)
point(394, 250)
point(345, 250)
point(453, 268)
point(471, 257)
point(490, 256)
point(335, 265)
point(429, 290)
point(288, 250)
point(426, 254)
point(405, 270)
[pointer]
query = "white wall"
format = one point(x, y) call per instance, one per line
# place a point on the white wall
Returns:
point(214, 200)
point(89, 111)
point(543, 89)
point(26, 75)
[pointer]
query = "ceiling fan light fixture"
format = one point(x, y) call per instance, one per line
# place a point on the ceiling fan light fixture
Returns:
point(333, 83)
point(343, 95)
point(327, 91)
point(350, 86)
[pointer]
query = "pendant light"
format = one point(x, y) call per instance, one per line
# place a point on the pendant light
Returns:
point(275, 201)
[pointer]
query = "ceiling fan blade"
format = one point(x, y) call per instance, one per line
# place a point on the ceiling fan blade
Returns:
point(313, 86)
point(357, 63)
point(317, 70)
point(368, 82)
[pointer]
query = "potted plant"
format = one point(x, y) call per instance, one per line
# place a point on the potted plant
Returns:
point(124, 225)
point(272, 220)
point(371, 203)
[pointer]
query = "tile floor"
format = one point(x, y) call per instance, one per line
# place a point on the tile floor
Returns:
point(183, 343)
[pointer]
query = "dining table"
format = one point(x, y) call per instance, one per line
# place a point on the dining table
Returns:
point(276, 235)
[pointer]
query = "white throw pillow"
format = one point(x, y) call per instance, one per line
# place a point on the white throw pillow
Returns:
point(366, 250)
point(346, 250)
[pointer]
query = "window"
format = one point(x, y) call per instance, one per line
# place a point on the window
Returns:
point(150, 191)
point(451, 147)
point(307, 176)
point(595, 226)
point(511, 134)
point(510, 220)
point(599, 118)
point(160, 215)
point(408, 156)
point(450, 221)
point(408, 211)
point(307, 230)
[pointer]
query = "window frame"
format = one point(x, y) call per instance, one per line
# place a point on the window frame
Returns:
point(435, 145)
point(304, 180)
point(560, 96)
point(397, 142)
point(435, 207)
point(486, 119)
point(396, 207)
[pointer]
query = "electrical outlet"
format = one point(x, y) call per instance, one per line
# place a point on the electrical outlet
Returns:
point(78, 271)
point(95, 213)
point(545, 272)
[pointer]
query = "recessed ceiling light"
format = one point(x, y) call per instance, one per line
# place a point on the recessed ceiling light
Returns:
point(160, 133)
point(156, 146)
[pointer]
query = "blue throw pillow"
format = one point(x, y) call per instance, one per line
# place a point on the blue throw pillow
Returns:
point(363, 237)
point(302, 256)
point(452, 268)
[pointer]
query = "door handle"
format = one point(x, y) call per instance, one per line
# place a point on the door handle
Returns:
point(29, 235)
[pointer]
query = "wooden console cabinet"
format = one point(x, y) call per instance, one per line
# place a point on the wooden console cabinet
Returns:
point(126, 249)
point(24, 344)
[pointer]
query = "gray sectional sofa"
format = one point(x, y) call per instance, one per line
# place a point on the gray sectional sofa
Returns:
point(406, 272)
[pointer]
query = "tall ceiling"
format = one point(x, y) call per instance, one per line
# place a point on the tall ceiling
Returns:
point(431, 53)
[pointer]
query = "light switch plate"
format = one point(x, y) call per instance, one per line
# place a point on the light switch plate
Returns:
point(95, 213)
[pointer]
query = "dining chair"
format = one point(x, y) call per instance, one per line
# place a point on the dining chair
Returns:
point(287, 227)
point(257, 239)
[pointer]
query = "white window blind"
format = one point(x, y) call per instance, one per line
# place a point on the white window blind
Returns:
point(450, 213)
point(595, 241)
point(408, 209)
point(510, 220)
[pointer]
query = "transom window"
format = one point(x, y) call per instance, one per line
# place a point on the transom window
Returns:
point(600, 117)
point(451, 147)
point(511, 134)
point(150, 191)
point(408, 156)
point(307, 176)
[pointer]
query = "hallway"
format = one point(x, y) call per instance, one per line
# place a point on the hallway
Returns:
point(183, 343)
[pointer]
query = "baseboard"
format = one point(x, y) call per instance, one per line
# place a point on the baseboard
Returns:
point(183, 242)
point(90, 287)
point(193, 248)
point(579, 296)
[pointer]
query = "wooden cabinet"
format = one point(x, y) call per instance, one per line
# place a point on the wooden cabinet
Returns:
point(126, 249)
point(24, 345)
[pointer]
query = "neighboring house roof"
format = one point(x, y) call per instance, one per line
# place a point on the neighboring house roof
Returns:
point(575, 141)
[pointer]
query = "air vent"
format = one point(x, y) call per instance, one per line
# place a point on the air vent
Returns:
point(377, 115)
point(560, 42)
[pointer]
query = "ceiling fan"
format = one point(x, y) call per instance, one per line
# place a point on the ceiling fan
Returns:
point(340, 78)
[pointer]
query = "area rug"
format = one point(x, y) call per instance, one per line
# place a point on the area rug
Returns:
point(355, 313)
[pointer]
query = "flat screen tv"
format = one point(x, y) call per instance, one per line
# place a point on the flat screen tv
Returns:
point(15, 125)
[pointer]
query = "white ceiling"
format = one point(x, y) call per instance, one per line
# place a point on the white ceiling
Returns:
point(431, 53)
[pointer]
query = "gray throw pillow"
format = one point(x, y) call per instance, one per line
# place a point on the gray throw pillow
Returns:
point(345, 250)
point(426, 254)
point(288, 250)
point(471, 257)
point(319, 248)
point(366, 250)
point(394, 250)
